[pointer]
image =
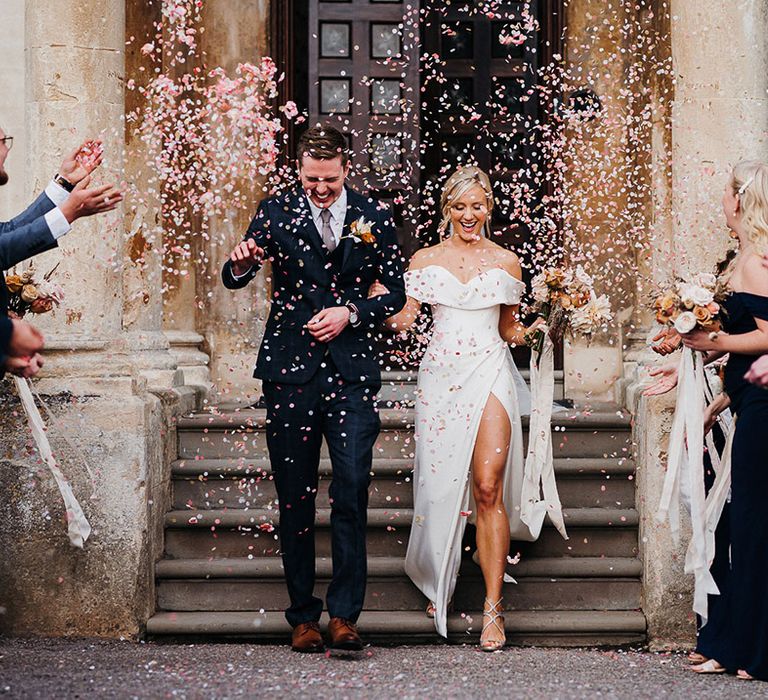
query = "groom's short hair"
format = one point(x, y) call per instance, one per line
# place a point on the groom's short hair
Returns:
point(323, 142)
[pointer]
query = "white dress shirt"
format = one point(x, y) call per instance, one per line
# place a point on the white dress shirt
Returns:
point(57, 222)
point(338, 213)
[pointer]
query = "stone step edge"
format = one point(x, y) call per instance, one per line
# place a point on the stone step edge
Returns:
point(409, 376)
point(255, 418)
point(241, 467)
point(404, 623)
point(377, 517)
point(394, 567)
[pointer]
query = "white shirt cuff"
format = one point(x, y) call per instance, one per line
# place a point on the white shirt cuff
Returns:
point(56, 193)
point(239, 277)
point(57, 223)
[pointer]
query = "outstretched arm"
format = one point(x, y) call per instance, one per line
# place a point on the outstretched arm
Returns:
point(75, 167)
point(25, 241)
point(53, 196)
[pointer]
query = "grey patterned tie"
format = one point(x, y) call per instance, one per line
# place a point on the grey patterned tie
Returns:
point(327, 232)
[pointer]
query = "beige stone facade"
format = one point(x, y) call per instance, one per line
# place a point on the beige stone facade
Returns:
point(119, 374)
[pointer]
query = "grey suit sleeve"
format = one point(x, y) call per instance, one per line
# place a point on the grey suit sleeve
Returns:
point(25, 242)
point(41, 206)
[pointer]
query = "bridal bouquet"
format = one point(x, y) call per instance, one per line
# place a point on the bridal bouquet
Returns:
point(690, 304)
point(687, 305)
point(566, 300)
point(28, 294)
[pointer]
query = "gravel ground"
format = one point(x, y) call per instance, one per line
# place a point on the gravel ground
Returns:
point(46, 668)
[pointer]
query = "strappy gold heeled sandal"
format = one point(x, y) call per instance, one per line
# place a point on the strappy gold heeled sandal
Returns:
point(493, 615)
point(431, 610)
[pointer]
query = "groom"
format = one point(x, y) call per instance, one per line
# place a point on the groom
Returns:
point(327, 245)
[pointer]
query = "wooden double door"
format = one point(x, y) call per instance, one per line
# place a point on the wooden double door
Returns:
point(422, 86)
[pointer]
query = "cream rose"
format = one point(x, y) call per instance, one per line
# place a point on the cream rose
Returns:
point(685, 322)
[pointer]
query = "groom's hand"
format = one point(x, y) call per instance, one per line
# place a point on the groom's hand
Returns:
point(245, 256)
point(326, 325)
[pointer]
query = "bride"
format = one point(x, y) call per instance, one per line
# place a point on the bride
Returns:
point(468, 427)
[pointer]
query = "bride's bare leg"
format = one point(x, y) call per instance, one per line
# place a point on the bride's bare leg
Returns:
point(488, 462)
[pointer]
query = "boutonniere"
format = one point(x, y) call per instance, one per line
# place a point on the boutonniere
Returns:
point(362, 230)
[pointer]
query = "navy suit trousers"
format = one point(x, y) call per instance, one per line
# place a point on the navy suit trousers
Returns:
point(299, 416)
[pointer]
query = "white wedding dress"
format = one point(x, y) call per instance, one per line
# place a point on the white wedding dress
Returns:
point(465, 362)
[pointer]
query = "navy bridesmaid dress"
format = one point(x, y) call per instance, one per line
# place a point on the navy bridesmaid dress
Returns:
point(721, 562)
point(738, 638)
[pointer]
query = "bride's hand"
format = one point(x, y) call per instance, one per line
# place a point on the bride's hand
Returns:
point(666, 380)
point(377, 289)
point(530, 333)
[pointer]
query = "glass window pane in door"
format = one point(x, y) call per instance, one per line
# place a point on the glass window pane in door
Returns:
point(457, 40)
point(507, 40)
point(335, 40)
point(385, 96)
point(385, 152)
point(385, 40)
point(335, 95)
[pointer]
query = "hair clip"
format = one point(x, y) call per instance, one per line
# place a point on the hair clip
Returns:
point(743, 188)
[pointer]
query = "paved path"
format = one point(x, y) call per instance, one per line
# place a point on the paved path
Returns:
point(46, 668)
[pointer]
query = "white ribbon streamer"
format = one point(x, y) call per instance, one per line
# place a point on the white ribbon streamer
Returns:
point(684, 480)
point(539, 492)
point(716, 500)
point(77, 524)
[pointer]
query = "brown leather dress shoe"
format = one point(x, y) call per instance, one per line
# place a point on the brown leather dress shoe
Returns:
point(344, 635)
point(306, 638)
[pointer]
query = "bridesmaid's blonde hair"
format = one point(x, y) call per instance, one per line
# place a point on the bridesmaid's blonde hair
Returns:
point(464, 179)
point(749, 181)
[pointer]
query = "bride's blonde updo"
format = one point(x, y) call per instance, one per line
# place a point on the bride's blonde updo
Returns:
point(464, 179)
point(749, 180)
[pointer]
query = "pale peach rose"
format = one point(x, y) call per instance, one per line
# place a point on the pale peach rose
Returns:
point(703, 314)
point(29, 293)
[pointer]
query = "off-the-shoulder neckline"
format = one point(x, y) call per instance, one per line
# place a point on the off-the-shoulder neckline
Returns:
point(471, 279)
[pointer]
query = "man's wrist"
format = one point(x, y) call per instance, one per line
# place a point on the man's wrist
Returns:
point(61, 181)
point(354, 315)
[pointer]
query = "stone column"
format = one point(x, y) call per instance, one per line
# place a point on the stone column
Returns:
point(97, 378)
point(232, 322)
point(12, 195)
point(719, 116)
point(597, 152)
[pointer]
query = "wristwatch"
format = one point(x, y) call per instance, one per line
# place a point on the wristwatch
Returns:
point(63, 182)
point(354, 316)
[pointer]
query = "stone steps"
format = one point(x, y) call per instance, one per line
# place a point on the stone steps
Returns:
point(397, 387)
point(222, 575)
point(543, 584)
point(601, 433)
point(610, 532)
point(540, 628)
point(228, 484)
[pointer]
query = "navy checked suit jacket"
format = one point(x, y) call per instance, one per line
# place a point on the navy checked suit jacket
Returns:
point(306, 279)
